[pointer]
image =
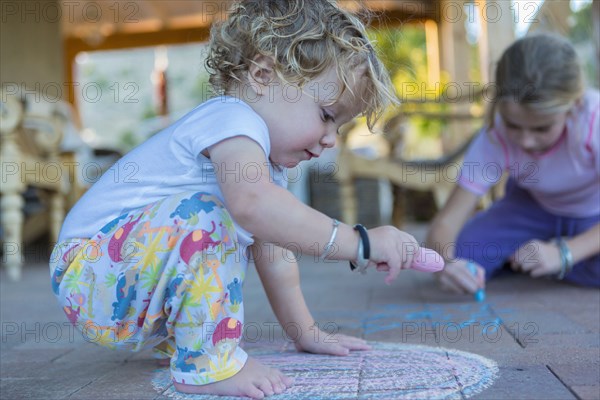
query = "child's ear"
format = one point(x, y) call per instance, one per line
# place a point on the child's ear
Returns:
point(261, 72)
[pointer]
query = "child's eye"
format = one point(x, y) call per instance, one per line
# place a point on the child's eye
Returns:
point(325, 116)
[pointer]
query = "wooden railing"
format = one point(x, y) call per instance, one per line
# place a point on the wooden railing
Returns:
point(422, 175)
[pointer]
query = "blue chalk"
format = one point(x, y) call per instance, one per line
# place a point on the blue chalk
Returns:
point(480, 293)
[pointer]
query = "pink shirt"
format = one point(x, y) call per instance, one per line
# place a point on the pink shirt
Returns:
point(565, 180)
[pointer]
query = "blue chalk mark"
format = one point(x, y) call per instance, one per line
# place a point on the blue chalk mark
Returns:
point(403, 317)
point(468, 322)
point(480, 315)
point(492, 325)
point(419, 315)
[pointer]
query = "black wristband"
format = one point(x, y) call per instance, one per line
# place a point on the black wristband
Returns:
point(362, 231)
point(364, 245)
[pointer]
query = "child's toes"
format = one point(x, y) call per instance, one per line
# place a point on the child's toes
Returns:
point(277, 384)
point(287, 381)
point(254, 392)
point(278, 388)
point(266, 387)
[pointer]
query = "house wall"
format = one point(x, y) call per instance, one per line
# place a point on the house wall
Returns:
point(31, 52)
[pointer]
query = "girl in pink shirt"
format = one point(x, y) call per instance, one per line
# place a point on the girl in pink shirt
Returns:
point(543, 131)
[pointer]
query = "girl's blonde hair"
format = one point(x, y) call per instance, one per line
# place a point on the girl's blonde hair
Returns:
point(305, 38)
point(540, 72)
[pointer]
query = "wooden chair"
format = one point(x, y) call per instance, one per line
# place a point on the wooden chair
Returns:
point(30, 157)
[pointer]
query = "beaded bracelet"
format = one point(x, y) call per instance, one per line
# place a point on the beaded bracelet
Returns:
point(566, 258)
point(329, 245)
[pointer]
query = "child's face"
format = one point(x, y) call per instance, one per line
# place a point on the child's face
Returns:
point(534, 132)
point(303, 122)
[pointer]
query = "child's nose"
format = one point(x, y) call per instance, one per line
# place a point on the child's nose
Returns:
point(527, 141)
point(329, 139)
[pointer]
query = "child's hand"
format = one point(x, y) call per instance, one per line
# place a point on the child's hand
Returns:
point(391, 250)
point(457, 278)
point(537, 258)
point(319, 342)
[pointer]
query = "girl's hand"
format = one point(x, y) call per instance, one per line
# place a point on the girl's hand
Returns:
point(391, 250)
point(457, 278)
point(537, 258)
point(337, 344)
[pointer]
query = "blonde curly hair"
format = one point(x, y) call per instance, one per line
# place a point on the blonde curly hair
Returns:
point(305, 38)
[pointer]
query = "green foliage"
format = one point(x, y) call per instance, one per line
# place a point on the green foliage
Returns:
point(581, 25)
point(127, 140)
point(149, 112)
point(200, 90)
point(404, 53)
point(581, 35)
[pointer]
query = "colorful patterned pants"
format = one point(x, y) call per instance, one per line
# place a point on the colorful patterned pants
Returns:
point(168, 275)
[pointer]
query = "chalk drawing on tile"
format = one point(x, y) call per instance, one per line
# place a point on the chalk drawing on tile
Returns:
point(388, 371)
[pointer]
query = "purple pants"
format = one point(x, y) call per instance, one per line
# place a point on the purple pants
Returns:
point(492, 236)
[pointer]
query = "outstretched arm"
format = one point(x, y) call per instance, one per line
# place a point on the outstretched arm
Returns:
point(585, 245)
point(449, 221)
point(442, 235)
point(539, 258)
point(278, 271)
point(273, 214)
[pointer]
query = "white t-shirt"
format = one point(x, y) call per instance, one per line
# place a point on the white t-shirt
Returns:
point(565, 180)
point(169, 163)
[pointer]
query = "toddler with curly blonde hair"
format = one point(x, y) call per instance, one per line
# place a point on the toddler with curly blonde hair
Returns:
point(159, 260)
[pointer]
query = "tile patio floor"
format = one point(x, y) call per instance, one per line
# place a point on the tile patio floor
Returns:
point(545, 337)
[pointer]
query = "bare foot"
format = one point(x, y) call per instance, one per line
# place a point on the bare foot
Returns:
point(254, 380)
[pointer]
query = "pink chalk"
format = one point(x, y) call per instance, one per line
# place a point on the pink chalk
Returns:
point(427, 260)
